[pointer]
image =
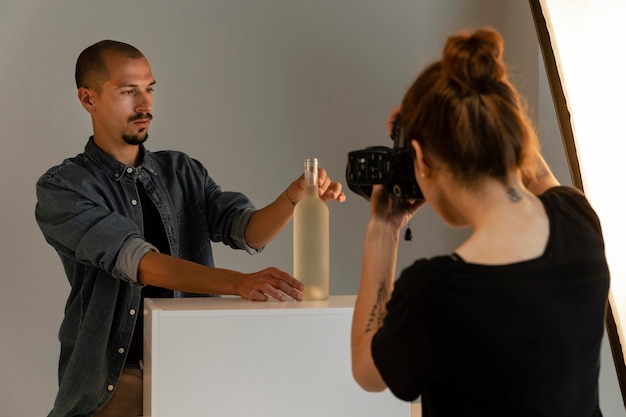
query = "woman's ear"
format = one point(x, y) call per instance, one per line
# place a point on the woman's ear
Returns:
point(422, 167)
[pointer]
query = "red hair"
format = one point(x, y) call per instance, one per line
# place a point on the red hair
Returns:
point(464, 111)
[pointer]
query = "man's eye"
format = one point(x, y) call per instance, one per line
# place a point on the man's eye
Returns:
point(151, 90)
point(128, 92)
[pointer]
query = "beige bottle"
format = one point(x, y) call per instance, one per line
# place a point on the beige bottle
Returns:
point(311, 238)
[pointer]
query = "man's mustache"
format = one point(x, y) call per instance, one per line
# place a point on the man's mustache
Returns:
point(140, 116)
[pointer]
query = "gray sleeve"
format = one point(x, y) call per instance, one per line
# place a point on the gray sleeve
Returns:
point(129, 257)
point(239, 230)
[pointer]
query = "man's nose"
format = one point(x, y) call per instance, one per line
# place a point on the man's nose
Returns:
point(143, 103)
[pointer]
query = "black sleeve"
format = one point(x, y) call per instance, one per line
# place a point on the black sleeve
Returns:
point(401, 348)
point(571, 199)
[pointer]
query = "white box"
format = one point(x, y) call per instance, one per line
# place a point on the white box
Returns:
point(232, 357)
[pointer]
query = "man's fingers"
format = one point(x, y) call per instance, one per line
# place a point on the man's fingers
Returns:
point(274, 283)
point(291, 291)
point(258, 296)
point(333, 192)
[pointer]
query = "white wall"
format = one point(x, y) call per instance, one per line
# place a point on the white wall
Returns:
point(249, 88)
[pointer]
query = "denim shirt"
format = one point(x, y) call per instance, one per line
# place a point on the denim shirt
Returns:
point(89, 210)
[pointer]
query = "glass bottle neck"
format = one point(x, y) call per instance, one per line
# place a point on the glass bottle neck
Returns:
point(310, 176)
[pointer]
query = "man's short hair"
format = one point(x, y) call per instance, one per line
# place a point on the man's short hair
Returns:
point(91, 69)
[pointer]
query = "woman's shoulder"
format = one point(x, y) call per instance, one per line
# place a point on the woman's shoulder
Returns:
point(569, 202)
point(563, 191)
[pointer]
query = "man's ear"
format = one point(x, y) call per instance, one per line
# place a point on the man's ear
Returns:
point(86, 97)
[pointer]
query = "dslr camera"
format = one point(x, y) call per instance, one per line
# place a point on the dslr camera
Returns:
point(392, 167)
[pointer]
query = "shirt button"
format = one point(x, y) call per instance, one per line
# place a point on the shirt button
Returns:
point(110, 387)
point(120, 350)
point(132, 312)
point(129, 170)
point(133, 202)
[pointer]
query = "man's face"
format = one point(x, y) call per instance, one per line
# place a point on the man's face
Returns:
point(122, 109)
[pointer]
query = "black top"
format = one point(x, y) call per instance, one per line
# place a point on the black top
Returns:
point(521, 339)
point(154, 232)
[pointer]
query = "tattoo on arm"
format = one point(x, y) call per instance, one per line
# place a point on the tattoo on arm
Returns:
point(379, 310)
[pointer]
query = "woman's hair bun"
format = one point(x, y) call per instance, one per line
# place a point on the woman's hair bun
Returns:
point(473, 61)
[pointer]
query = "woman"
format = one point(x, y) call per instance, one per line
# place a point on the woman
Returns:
point(511, 322)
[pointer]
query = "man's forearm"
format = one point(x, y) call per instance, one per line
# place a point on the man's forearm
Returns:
point(266, 223)
point(178, 274)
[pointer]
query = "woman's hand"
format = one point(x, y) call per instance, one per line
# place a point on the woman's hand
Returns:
point(393, 115)
point(391, 209)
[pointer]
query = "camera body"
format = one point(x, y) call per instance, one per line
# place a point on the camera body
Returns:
point(392, 167)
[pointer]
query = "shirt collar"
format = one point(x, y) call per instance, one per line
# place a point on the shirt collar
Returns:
point(115, 168)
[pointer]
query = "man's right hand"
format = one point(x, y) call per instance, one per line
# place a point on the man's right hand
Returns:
point(270, 282)
point(166, 271)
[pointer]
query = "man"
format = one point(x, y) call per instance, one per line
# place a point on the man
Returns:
point(129, 223)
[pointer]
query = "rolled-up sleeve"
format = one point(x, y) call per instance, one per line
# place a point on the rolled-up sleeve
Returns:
point(129, 257)
point(238, 229)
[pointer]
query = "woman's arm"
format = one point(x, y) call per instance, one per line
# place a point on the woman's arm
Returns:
point(388, 216)
point(379, 265)
point(538, 177)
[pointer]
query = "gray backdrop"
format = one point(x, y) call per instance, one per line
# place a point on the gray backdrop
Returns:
point(248, 87)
